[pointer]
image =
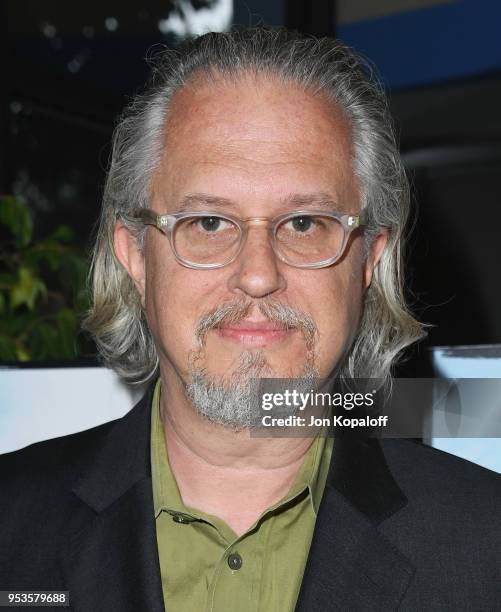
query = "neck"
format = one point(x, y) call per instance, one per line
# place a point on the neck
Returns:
point(224, 472)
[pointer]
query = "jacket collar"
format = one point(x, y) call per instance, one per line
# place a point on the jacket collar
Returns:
point(117, 459)
point(359, 472)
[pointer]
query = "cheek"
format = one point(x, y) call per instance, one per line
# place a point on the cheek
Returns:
point(173, 297)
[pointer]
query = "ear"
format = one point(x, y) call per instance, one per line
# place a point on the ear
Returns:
point(131, 258)
point(376, 251)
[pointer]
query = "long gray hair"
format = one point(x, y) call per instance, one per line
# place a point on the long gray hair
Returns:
point(322, 66)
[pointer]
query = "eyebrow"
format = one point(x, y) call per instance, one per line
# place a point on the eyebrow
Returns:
point(296, 200)
point(201, 199)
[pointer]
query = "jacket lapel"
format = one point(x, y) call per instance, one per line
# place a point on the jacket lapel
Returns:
point(351, 565)
point(111, 559)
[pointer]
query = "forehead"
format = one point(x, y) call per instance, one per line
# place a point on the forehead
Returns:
point(257, 135)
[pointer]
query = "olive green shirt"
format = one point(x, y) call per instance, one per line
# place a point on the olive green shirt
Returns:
point(206, 567)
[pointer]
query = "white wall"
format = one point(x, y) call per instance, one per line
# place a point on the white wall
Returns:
point(471, 362)
point(41, 403)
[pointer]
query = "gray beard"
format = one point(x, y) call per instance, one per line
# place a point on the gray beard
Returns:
point(235, 402)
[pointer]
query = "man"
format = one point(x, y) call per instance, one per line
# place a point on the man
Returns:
point(251, 228)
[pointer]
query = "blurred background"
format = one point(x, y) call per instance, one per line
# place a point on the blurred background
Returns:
point(69, 68)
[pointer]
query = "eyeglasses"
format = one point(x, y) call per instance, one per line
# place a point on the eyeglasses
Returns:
point(206, 240)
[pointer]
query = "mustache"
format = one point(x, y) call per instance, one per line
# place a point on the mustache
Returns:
point(273, 310)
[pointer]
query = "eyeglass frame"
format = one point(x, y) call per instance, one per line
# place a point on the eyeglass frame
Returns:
point(166, 224)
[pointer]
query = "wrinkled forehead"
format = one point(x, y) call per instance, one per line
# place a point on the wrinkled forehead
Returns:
point(256, 127)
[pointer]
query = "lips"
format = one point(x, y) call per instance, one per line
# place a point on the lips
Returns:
point(253, 325)
point(258, 333)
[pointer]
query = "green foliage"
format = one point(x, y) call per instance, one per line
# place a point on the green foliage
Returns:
point(42, 289)
point(16, 216)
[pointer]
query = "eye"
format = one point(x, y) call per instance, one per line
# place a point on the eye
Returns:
point(212, 224)
point(302, 224)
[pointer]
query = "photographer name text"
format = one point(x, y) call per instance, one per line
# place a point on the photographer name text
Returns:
point(294, 420)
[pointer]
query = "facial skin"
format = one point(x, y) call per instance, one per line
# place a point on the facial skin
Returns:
point(262, 146)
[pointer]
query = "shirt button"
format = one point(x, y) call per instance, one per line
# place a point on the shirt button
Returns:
point(179, 518)
point(235, 561)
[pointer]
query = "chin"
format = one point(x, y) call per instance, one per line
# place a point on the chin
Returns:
point(256, 364)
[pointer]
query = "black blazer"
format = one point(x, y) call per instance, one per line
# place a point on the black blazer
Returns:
point(400, 526)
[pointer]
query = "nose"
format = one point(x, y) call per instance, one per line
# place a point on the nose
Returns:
point(256, 271)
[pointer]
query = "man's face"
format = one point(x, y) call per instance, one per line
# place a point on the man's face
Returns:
point(262, 147)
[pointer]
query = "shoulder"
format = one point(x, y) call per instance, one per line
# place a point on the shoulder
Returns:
point(447, 492)
point(38, 484)
point(37, 501)
point(449, 529)
point(418, 466)
point(56, 462)
point(47, 465)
